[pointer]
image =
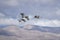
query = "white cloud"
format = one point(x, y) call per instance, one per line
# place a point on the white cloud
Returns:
point(9, 21)
point(51, 23)
point(44, 22)
point(40, 22)
point(22, 34)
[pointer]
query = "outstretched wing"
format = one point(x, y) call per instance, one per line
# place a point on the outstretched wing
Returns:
point(26, 18)
point(36, 17)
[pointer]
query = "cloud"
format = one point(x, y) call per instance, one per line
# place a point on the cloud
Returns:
point(17, 2)
point(32, 21)
point(42, 1)
point(2, 15)
point(9, 21)
point(10, 2)
point(45, 1)
point(51, 23)
point(22, 34)
point(58, 12)
point(28, 26)
point(44, 22)
point(40, 22)
point(40, 7)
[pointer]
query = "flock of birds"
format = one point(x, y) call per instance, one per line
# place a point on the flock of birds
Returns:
point(26, 17)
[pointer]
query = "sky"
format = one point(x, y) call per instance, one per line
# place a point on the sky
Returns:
point(48, 10)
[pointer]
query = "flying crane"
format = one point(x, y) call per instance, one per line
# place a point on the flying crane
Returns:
point(26, 18)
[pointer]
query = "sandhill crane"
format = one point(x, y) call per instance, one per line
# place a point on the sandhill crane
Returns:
point(22, 14)
point(25, 18)
point(36, 17)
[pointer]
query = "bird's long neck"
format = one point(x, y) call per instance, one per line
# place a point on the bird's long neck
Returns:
point(22, 16)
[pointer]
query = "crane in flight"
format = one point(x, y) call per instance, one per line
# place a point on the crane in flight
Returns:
point(25, 18)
